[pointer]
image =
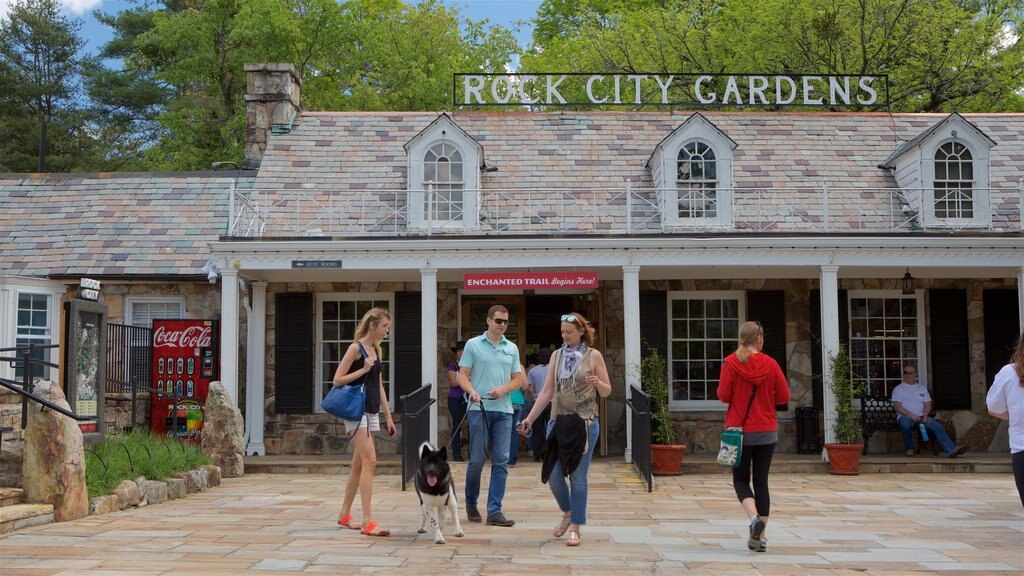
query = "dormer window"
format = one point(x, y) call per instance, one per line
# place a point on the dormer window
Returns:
point(954, 182)
point(444, 176)
point(697, 181)
point(692, 171)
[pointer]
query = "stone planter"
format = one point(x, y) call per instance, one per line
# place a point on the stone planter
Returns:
point(667, 459)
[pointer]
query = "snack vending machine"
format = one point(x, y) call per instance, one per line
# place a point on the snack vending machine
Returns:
point(185, 361)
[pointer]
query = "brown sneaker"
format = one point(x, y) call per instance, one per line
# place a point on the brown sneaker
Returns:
point(909, 453)
point(959, 450)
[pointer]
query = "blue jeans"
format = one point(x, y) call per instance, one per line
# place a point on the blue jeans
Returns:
point(499, 427)
point(935, 430)
point(513, 447)
point(572, 498)
point(457, 407)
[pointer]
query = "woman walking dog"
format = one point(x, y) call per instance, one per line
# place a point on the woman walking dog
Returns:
point(359, 365)
point(576, 376)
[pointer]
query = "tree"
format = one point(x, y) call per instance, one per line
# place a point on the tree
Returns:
point(940, 55)
point(41, 126)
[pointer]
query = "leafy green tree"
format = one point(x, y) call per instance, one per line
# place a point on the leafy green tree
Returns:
point(41, 127)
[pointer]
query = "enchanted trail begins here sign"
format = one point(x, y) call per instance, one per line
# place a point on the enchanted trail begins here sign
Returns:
point(697, 90)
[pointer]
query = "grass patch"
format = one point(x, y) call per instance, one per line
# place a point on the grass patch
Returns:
point(132, 454)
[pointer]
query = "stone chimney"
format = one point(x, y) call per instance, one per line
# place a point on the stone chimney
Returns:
point(271, 106)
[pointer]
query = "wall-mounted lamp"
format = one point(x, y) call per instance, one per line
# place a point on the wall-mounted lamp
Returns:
point(211, 271)
point(907, 283)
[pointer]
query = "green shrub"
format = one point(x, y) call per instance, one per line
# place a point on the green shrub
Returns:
point(130, 455)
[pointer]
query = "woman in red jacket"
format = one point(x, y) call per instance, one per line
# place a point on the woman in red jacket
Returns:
point(752, 384)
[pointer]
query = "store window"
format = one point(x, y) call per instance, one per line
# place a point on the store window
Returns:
point(696, 181)
point(954, 182)
point(33, 328)
point(703, 330)
point(885, 334)
point(337, 317)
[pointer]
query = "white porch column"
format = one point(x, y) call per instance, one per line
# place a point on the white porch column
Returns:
point(829, 341)
point(428, 340)
point(229, 332)
point(631, 321)
point(1020, 297)
point(256, 362)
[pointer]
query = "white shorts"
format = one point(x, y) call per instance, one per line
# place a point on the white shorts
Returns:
point(370, 421)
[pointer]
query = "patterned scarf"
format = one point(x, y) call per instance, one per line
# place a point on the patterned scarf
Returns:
point(571, 359)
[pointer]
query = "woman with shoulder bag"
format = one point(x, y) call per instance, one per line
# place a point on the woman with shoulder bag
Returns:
point(752, 384)
point(361, 365)
point(576, 376)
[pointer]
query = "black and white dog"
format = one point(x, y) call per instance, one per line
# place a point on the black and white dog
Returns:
point(436, 490)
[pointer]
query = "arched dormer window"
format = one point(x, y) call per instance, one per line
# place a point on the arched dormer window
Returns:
point(692, 171)
point(444, 176)
point(697, 181)
point(954, 181)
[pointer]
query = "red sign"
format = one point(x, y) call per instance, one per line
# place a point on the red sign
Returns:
point(531, 281)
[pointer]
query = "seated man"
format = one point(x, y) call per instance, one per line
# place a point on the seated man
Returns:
point(913, 404)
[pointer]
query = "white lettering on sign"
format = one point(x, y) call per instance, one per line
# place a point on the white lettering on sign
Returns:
point(666, 89)
point(190, 337)
point(89, 283)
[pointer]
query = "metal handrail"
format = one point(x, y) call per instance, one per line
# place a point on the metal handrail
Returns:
point(16, 388)
point(641, 435)
point(412, 435)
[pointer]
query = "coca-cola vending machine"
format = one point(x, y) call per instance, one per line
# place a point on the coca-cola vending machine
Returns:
point(185, 361)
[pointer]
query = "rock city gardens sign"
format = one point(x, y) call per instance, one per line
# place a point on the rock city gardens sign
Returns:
point(662, 89)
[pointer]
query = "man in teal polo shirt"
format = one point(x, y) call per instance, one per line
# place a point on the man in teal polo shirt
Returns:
point(485, 374)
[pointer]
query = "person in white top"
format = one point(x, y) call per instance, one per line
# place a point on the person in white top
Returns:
point(1005, 400)
point(913, 404)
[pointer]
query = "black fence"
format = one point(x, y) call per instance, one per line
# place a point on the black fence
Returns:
point(415, 428)
point(129, 363)
point(639, 403)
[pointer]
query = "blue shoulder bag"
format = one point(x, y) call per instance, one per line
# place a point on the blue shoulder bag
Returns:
point(347, 402)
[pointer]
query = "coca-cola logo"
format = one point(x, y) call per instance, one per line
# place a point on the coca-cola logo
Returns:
point(190, 337)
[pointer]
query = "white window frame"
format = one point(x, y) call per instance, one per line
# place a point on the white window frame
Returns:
point(10, 290)
point(319, 385)
point(740, 297)
point(131, 302)
point(918, 297)
point(444, 130)
point(664, 166)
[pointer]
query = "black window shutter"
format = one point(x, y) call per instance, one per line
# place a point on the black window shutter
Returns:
point(654, 322)
point(947, 335)
point(1002, 328)
point(408, 364)
point(293, 367)
point(769, 308)
point(817, 366)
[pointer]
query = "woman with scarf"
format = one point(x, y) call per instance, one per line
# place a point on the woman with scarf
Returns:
point(576, 376)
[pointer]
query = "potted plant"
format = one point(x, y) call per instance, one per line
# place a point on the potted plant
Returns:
point(666, 454)
point(844, 454)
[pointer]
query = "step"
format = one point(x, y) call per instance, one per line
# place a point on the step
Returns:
point(11, 496)
point(315, 464)
point(21, 516)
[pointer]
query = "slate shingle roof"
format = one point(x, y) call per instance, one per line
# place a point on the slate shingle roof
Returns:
point(110, 224)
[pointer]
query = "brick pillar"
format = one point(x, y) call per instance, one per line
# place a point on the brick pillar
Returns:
point(273, 95)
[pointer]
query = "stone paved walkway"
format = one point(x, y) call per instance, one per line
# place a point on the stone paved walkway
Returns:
point(285, 524)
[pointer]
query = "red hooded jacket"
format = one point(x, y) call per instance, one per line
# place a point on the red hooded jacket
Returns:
point(734, 388)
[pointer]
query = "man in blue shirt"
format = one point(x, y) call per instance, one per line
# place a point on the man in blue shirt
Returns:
point(485, 374)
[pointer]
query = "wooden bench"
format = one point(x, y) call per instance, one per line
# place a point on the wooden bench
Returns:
point(879, 415)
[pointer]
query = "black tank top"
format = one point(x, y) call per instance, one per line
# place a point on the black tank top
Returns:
point(371, 378)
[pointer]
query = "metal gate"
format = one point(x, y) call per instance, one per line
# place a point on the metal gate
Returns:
point(129, 364)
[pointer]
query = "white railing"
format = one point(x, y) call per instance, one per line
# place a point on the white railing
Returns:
point(629, 209)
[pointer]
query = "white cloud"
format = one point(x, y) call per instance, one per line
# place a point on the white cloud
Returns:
point(72, 8)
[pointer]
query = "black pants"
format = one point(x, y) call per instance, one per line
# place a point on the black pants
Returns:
point(1018, 474)
point(758, 458)
point(540, 427)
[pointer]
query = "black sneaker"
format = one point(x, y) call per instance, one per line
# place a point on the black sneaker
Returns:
point(498, 519)
point(459, 459)
point(959, 450)
point(756, 530)
point(472, 514)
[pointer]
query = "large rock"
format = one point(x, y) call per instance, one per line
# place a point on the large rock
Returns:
point(53, 470)
point(223, 432)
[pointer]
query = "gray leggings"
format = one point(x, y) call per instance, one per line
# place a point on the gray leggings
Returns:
point(760, 458)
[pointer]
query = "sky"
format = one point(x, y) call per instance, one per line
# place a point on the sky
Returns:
point(503, 12)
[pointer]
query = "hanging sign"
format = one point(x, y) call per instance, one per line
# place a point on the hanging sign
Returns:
point(530, 281)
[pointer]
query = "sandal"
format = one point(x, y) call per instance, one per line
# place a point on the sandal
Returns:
point(373, 530)
point(562, 527)
point(347, 523)
point(574, 538)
